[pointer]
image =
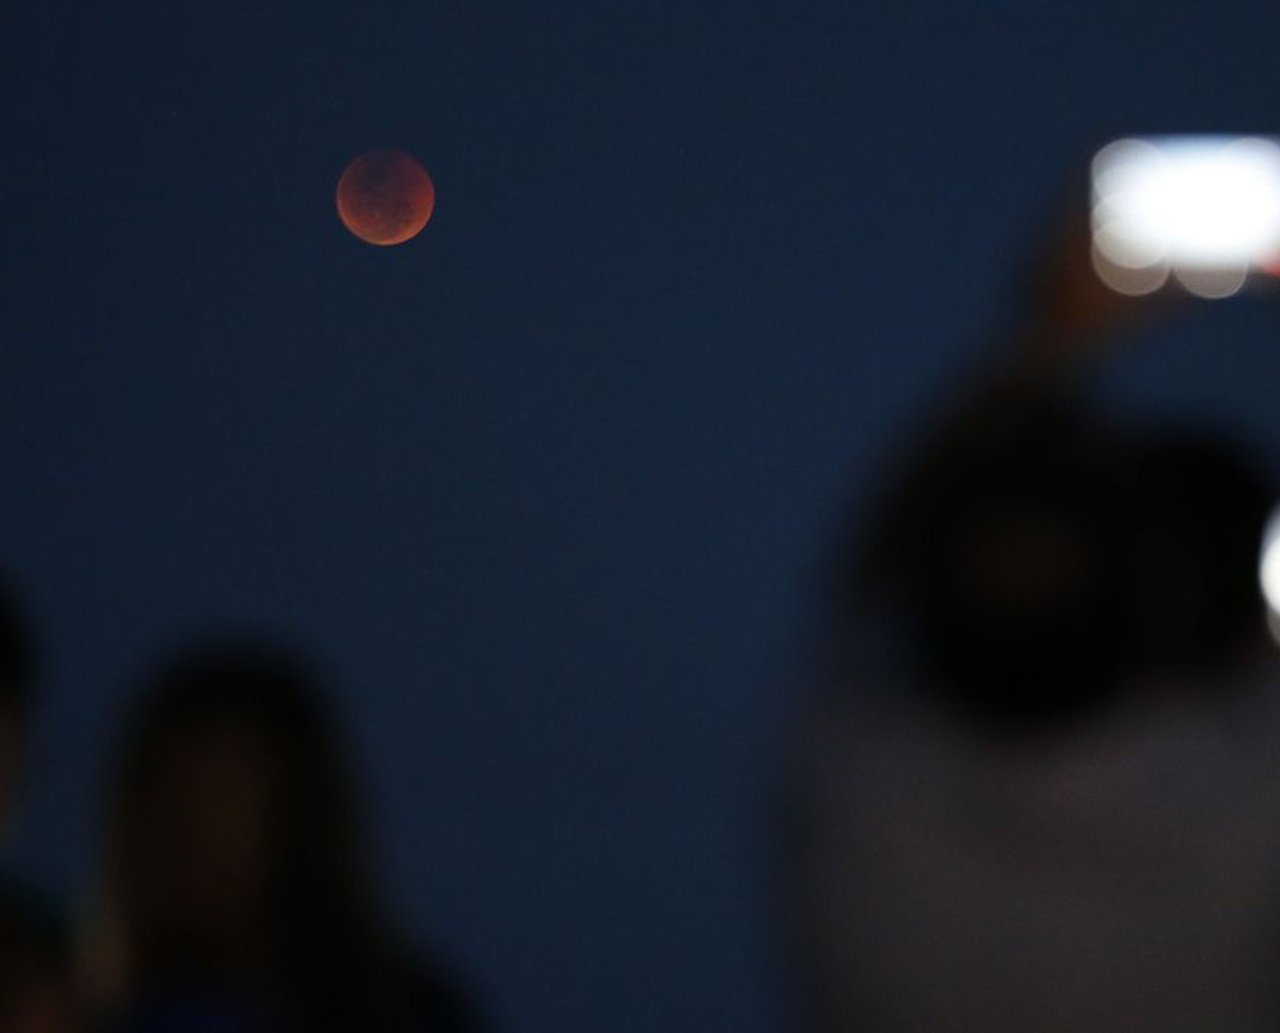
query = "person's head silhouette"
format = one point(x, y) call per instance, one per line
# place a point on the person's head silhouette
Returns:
point(1016, 579)
point(237, 877)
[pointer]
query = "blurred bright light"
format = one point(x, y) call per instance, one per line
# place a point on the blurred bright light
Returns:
point(1269, 564)
point(1207, 207)
point(1214, 283)
point(1127, 279)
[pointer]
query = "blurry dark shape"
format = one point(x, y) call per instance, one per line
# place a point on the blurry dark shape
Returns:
point(17, 684)
point(36, 994)
point(1056, 565)
point(1037, 783)
point(35, 957)
point(238, 892)
point(1201, 510)
point(1013, 574)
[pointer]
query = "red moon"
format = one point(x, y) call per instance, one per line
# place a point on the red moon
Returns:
point(385, 197)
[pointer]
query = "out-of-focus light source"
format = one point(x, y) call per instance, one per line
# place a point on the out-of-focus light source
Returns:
point(1206, 208)
point(1220, 282)
point(1133, 280)
point(1269, 566)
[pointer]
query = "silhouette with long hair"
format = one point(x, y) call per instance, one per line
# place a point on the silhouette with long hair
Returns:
point(237, 891)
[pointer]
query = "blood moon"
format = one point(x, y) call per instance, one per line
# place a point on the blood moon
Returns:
point(385, 197)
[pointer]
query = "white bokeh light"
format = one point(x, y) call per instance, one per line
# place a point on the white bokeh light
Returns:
point(1216, 282)
point(1205, 207)
point(1269, 564)
point(1133, 280)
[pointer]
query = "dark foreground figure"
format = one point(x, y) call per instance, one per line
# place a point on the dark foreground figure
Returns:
point(35, 951)
point(237, 895)
point(1036, 786)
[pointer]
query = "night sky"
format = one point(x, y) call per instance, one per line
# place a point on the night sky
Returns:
point(546, 484)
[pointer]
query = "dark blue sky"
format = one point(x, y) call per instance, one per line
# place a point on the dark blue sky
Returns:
point(544, 484)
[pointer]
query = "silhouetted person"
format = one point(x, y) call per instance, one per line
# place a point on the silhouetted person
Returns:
point(1037, 786)
point(17, 685)
point(238, 896)
point(35, 968)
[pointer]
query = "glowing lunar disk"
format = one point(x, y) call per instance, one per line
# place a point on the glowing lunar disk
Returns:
point(385, 197)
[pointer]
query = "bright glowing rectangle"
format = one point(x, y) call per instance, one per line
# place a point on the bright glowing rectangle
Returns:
point(1204, 208)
